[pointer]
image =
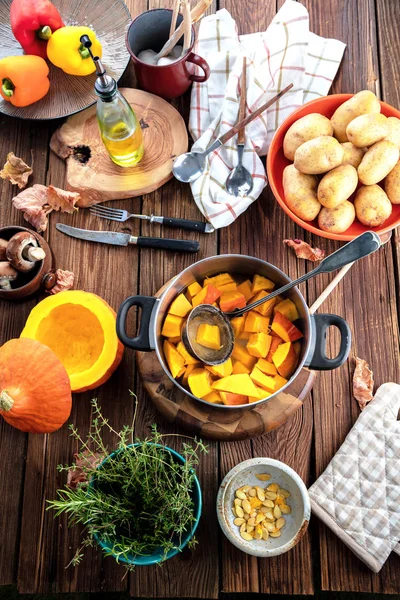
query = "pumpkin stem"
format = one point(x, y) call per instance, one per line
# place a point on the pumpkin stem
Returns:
point(6, 402)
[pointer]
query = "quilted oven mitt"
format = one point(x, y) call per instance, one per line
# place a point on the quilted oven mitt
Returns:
point(358, 495)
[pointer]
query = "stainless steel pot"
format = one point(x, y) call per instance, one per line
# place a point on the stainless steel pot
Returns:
point(154, 310)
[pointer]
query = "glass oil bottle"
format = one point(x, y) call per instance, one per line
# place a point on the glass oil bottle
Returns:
point(119, 127)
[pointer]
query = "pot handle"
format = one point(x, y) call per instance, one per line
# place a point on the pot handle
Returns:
point(317, 358)
point(142, 340)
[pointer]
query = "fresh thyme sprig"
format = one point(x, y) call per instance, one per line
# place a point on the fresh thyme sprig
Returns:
point(139, 501)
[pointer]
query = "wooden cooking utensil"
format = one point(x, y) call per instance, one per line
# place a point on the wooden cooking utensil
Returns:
point(174, 17)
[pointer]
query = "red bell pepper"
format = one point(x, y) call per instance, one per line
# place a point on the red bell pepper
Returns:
point(32, 23)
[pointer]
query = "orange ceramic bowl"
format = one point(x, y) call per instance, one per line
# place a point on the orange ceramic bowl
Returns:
point(276, 162)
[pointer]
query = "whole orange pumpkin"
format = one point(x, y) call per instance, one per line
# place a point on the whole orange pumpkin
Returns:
point(35, 392)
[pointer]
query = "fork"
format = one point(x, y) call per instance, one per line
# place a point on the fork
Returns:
point(116, 214)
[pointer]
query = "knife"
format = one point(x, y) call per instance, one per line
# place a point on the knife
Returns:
point(125, 239)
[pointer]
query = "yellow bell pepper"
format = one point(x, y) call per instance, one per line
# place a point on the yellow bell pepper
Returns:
point(64, 50)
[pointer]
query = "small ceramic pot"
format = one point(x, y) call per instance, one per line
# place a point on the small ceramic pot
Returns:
point(299, 502)
point(156, 557)
point(42, 276)
point(150, 31)
point(314, 327)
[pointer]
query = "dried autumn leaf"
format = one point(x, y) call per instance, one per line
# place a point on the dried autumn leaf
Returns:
point(16, 171)
point(39, 200)
point(77, 474)
point(363, 383)
point(304, 250)
point(65, 281)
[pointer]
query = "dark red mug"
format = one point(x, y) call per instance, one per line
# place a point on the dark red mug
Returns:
point(150, 31)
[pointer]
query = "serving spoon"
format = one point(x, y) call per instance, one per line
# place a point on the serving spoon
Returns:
point(189, 166)
point(361, 246)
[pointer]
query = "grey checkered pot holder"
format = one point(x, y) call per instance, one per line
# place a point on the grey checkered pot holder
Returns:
point(358, 495)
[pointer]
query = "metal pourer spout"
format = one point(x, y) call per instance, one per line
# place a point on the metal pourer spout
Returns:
point(105, 86)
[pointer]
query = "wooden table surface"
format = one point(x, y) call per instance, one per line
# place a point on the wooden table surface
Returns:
point(35, 547)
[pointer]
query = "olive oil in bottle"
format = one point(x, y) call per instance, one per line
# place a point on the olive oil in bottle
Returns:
point(119, 127)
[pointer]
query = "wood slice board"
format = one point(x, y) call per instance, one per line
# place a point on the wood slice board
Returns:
point(90, 171)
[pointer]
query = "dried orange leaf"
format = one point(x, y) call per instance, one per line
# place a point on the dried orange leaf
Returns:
point(77, 473)
point(363, 383)
point(16, 171)
point(39, 200)
point(65, 281)
point(304, 250)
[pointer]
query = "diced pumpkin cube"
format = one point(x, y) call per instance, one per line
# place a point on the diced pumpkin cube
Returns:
point(213, 397)
point(188, 358)
point(258, 344)
point(256, 323)
point(200, 382)
point(208, 295)
point(172, 326)
point(238, 325)
point(280, 381)
point(288, 308)
point(189, 369)
point(221, 279)
point(285, 328)
point(231, 300)
point(240, 353)
point(276, 340)
point(239, 384)
point(261, 283)
point(181, 372)
point(239, 367)
point(233, 399)
point(266, 308)
point(174, 359)
point(180, 306)
point(245, 288)
point(209, 336)
point(193, 289)
point(266, 367)
point(297, 348)
point(227, 287)
point(245, 335)
point(285, 359)
point(261, 395)
point(221, 370)
point(262, 380)
point(175, 340)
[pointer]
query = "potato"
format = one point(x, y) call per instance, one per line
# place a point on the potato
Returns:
point(364, 102)
point(392, 185)
point(352, 155)
point(337, 186)
point(301, 193)
point(337, 220)
point(367, 130)
point(394, 131)
point(318, 155)
point(304, 129)
point(377, 162)
point(372, 205)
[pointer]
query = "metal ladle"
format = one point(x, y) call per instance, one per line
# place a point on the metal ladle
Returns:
point(189, 166)
point(361, 246)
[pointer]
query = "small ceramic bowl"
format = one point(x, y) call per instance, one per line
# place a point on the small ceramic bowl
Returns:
point(296, 522)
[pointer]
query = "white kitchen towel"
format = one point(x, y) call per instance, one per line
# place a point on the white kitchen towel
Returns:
point(287, 52)
point(358, 495)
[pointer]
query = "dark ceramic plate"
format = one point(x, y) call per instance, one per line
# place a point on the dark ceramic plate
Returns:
point(69, 94)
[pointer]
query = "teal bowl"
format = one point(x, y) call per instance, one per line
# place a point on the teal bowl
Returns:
point(156, 557)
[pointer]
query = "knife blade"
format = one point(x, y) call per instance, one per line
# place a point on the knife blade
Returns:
point(125, 239)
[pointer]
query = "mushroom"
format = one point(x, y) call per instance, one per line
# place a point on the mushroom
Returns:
point(7, 275)
point(23, 251)
point(3, 246)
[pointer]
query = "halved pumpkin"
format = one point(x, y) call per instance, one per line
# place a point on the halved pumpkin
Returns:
point(80, 329)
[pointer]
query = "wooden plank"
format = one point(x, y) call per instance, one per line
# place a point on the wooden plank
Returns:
point(371, 314)
point(28, 143)
point(259, 232)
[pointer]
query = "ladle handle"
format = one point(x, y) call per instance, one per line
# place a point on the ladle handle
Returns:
point(236, 128)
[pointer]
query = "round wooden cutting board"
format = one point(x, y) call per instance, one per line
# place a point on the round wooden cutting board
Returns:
point(90, 171)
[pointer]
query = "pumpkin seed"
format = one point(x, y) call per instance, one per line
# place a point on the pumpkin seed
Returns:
point(245, 488)
point(279, 500)
point(270, 495)
point(268, 503)
point(241, 495)
point(280, 523)
point(246, 517)
point(270, 527)
point(237, 502)
point(285, 509)
point(260, 517)
point(249, 528)
point(258, 534)
point(265, 535)
point(251, 522)
point(274, 487)
point(246, 536)
point(242, 527)
point(238, 521)
point(234, 510)
point(263, 476)
point(253, 514)
point(239, 512)
point(260, 494)
point(275, 534)
point(277, 512)
point(252, 492)
point(269, 515)
point(246, 506)
point(284, 493)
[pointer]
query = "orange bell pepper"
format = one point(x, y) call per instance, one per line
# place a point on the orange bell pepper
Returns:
point(23, 79)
